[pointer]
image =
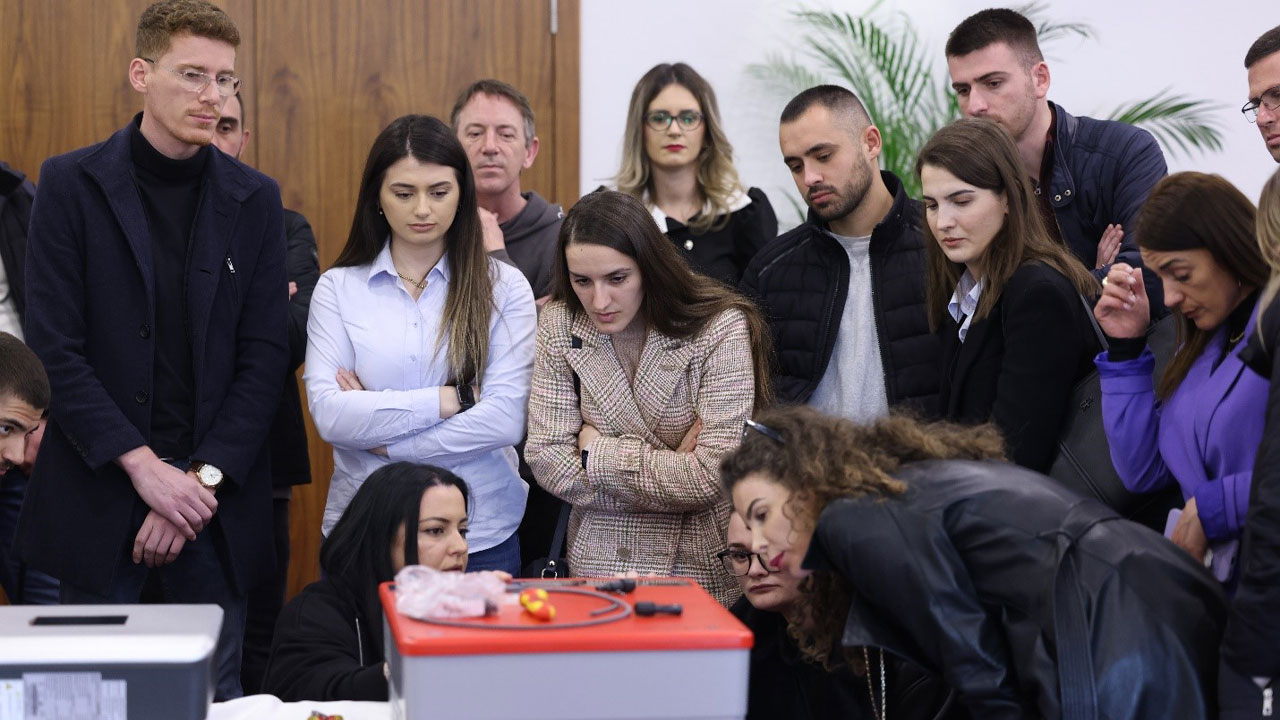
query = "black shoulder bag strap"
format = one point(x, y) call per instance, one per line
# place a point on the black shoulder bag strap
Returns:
point(1093, 321)
point(562, 522)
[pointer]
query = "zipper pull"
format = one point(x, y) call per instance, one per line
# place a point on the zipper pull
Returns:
point(231, 267)
point(1266, 701)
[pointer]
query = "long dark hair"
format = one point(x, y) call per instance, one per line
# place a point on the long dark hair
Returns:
point(981, 153)
point(1191, 210)
point(677, 301)
point(468, 307)
point(357, 553)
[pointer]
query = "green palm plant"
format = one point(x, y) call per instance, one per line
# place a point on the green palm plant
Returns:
point(880, 56)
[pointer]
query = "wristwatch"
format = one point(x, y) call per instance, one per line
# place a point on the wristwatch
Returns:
point(466, 398)
point(208, 475)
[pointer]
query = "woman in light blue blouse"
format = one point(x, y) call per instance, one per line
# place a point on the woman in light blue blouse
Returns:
point(420, 347)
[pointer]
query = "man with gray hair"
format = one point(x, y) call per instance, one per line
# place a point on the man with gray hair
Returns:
point(494, 122)
point(845, 291)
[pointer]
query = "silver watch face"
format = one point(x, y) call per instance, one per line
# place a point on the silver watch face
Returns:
point(210, 476)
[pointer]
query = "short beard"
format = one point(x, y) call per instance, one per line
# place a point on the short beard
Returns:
point(851, 196)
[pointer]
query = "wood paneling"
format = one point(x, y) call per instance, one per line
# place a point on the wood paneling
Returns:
point(321, 79)
point(332, 75)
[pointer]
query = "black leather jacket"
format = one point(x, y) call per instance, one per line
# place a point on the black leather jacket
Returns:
point(997, 579)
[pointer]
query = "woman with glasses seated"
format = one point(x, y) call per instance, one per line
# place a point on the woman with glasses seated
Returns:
point(643, 375)
point(782, 682)
point(917, 541)
point(678, 162)
point(1004, 297)
point(1200, 425)
point(328, 640)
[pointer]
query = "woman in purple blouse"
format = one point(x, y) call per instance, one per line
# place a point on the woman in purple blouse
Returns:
point(1201, 423)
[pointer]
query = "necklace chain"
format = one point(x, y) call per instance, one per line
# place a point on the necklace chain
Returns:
point(420, 284)
point(871, 690)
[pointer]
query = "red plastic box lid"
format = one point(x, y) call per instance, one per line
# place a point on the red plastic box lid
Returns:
point(703, 625)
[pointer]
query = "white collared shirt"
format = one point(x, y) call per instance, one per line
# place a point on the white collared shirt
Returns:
point(363, 319)
point(964, 302)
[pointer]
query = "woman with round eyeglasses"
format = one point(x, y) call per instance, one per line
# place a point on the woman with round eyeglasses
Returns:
point(677, 160)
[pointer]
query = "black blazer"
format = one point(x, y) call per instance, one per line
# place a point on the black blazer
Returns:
point(90, 313)
point(1017, 366)
point(290, 464)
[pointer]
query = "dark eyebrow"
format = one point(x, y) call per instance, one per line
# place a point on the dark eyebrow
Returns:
point(233, 122)
point(1268, 91)
point(737, 546)
point(951, 196)
point(750, 505)
point(814, 150)
point(993, 75)
point(432, 519)
point(1174, 261)
point(442, 185)
point(18, 424)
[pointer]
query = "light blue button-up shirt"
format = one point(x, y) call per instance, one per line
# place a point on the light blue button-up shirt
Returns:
point(363, 319)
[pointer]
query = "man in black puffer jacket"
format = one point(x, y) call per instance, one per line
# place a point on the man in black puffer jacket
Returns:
point(845, 291)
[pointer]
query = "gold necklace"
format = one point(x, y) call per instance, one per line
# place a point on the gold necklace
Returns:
point(1235, 338)
point(420, 284)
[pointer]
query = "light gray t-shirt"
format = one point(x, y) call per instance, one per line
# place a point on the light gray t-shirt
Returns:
point(853, 385)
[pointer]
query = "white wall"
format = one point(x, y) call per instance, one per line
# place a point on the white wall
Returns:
point(1140, 47)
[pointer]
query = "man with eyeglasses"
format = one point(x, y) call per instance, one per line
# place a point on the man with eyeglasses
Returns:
point(1263, 109)
point(1090, 176)
point(155, 299)
point(1249, 679)
point(845, 291)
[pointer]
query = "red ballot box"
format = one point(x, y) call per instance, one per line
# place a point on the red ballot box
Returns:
point(596, 659)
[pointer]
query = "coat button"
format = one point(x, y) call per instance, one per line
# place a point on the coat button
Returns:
point(1067, 193)
point(624, 553)
point(144, 331)
point(140, 397)
point(1057, 198)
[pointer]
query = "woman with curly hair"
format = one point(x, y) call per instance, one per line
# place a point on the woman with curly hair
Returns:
point(1027, 599)
point(677, 160)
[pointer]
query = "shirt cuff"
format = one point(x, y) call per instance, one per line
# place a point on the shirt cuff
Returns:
point(1123, 349)
point(1211, 505)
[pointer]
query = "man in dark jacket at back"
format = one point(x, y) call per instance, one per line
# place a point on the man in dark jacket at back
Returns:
point(1091, 176)
point(845, 291)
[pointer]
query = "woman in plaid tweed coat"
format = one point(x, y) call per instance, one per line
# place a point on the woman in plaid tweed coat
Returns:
point(643, 375)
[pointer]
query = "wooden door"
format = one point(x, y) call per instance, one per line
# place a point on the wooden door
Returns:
point(331, 75)
point(321, 79)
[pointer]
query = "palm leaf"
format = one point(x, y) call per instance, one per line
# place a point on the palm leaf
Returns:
point(1049, 31)
point(1177, 121)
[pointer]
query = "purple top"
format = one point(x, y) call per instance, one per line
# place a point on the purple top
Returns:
point(1204, 436)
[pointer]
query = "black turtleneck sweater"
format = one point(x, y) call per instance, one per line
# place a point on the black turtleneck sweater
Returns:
point(170, 191)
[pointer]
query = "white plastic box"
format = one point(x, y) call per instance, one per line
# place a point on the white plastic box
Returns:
point(107, 662)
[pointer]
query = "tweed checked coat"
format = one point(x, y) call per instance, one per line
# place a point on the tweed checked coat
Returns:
point(640, 505)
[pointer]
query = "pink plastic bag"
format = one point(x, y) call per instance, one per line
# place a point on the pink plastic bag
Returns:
point(425, 593)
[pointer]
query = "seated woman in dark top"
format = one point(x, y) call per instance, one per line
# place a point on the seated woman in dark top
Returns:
point(677, 160)
point(328, 640)
point(1004, 297)
point(1028, 600)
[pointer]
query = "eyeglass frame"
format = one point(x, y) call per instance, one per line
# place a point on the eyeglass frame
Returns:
point(699, 117)
point(757, 556)
point(1251, 108)
point(765, 430)
point(182, 76)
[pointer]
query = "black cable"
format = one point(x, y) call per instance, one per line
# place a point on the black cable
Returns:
point(622, 610)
